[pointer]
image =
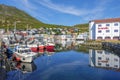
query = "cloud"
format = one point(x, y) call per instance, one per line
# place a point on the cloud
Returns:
point(60, 8)
point(71, 9)
point(31, 8)
point(41, 8)
point(28, 4)
point(98, 12)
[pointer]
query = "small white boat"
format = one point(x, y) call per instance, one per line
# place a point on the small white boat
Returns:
point(25, 54)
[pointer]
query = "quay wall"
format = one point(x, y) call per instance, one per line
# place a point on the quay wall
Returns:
point(93, 45)
point(114, 47)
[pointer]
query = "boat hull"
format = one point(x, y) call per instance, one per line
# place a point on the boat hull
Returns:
point(37, 49)
point(28, 59)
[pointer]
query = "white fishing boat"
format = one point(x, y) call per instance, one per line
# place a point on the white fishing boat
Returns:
point(24, 54)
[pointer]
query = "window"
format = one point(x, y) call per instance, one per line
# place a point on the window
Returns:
point(116, 37)
point(116, 24)
point(107, 31)
point(115, 30)
point(107, 58)
point(115, 65)
point(99, 51)
point(99, 58)
point(107, 65)
point(99, 25)
point(99, 31)
point(107, 53)
point(99, 38)
point(115, 59)
point(107, 37)
point(107, 24)
point(99, 64)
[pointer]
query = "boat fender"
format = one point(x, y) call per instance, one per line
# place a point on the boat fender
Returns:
point(17, 59)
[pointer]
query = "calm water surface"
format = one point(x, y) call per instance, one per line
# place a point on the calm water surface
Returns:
point(69, 65)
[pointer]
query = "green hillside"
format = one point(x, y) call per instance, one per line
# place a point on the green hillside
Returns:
point(82, 27)
point(9, 15)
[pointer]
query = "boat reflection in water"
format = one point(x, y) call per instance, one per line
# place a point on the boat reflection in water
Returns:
point(21, 71)
point(104, 59)
point(26, 67)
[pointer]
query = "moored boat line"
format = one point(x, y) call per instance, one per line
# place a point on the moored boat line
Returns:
point(24, 54)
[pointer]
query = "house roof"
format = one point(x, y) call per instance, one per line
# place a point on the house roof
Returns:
point(107, 20)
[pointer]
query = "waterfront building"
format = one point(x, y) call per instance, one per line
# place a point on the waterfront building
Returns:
point(82, 36)
point(63, 37)
point(103, 59)
point(106, 29)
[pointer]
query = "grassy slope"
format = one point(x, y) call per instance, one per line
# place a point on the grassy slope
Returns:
point(83, 27)
point(8, 15)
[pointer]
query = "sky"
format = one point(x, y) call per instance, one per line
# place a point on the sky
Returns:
point(67, 12)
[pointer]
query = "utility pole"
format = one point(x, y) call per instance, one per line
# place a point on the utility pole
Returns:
point(14, 26)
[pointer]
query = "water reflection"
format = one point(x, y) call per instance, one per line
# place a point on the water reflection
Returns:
point(67, 65)
point(20, 71)
point(104, 59)
point(64, 45)
point(26, 67)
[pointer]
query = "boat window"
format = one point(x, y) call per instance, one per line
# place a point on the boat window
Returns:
point(21, 51)
point(27, 50)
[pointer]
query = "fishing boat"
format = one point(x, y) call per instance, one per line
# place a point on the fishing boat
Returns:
point(36, 48)
point(50, 47)
point(24, 54)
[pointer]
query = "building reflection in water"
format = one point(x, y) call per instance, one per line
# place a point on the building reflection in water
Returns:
point(66, 45)
point(104, 59)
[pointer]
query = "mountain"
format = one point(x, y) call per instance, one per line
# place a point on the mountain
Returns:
point(10, 15)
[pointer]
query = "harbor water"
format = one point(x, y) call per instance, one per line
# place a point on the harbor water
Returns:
point(70, 65)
